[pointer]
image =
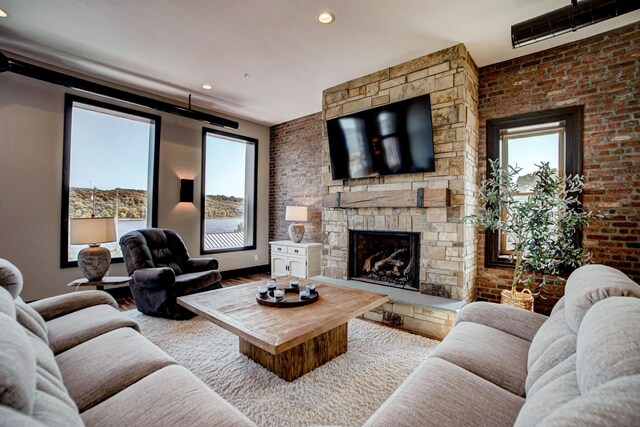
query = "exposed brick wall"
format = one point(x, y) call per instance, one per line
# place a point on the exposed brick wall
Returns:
point(295, 163)
point(603, 74)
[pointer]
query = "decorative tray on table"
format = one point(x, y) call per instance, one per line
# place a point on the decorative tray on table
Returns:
point(291, 298)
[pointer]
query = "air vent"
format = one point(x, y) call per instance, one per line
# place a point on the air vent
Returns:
point(569, 18)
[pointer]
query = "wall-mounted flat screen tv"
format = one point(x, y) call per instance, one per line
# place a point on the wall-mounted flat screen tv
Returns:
point(387, 140)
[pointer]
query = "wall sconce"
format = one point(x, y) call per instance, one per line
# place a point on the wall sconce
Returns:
point(186, 190)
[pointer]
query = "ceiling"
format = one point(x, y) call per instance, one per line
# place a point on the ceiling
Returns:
point(172, 47)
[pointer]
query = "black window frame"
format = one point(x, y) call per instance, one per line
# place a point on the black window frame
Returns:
point(69, 100)
point(573, 123)
point(248, 140)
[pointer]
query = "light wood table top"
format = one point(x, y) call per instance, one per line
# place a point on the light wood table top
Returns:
point(276, 330)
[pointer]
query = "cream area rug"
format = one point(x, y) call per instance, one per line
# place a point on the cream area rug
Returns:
point(344, 391)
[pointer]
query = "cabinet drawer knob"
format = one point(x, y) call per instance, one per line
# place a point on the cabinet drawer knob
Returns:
point(279, 249)
point(295, 250)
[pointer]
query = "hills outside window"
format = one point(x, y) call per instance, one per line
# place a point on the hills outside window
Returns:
point(109, 169)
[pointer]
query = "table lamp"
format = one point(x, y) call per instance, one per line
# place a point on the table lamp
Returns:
point(93, 261)
point(296, 214)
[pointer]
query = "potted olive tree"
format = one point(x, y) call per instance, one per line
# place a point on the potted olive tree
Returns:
point(541, 228)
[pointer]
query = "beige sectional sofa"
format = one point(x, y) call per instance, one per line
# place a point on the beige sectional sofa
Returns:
point(503, 366)
point(76, 360)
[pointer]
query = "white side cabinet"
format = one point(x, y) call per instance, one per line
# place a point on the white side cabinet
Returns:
point(295, 259)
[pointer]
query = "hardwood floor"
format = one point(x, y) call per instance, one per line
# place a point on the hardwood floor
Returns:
point(128, 303)
point(244, 279)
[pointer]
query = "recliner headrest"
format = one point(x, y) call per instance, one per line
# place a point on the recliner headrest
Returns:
point(592, 283)
point(10, 278)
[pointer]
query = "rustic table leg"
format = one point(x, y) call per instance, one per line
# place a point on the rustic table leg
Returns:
point(303, 358)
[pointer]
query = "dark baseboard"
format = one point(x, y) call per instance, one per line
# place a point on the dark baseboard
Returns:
point(258, 269)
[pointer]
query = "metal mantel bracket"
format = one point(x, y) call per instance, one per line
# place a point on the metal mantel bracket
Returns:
point(420, 201)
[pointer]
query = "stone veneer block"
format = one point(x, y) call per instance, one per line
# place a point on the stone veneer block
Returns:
point(393, 82)
point(358, 105)
point(376, 317)
point(379, 100)
point(403, 309)
point(333, 112)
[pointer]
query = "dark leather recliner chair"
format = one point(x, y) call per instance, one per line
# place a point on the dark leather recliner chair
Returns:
point(161, 270)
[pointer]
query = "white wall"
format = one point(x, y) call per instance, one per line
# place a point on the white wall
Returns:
point(31, 141)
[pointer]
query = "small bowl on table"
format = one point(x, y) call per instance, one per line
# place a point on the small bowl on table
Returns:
point(278, 295)
point(263, 291)
point(271, 286)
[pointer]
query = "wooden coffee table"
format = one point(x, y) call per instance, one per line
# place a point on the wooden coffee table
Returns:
point(289, 342)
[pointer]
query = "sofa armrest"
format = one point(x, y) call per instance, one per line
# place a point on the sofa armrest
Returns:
point(512, 320)
point(50, 308)
point(195, 265)
point(154, 278)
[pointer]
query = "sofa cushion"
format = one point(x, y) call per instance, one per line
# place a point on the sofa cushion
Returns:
point(53, 412)
point(591, 377)
point(613, 404)
point(512, 320)
point(17, 365)
point(52, 307)
point(176, 397)
point(10, 278)
point(440, 393)
point(491, 354)
point(558, 305)
point(590, 284)
point(7, 305)
point(31, 387)
point(103, 366)
point(9, 417)
point(554, 343)
point(609, 343)
point(552, 396)
point(75, 328)
point(31, 320)
point(546, 373)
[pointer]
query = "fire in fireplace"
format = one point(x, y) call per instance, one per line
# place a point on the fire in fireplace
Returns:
point(385, 257)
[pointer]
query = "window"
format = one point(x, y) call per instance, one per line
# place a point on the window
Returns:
point(109, 170)
point(553, 136)
point(229, 173)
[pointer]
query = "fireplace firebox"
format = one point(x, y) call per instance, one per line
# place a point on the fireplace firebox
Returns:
point(385, 257)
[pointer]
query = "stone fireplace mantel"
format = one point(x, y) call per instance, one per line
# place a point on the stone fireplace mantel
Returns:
point(448, 249)
point(420, 198)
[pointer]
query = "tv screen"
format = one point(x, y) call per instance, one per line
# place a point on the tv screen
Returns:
point(391, 139)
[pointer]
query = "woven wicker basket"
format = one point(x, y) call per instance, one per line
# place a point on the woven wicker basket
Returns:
point(514, 298)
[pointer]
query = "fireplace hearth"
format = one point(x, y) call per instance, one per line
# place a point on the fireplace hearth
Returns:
point(385, 257)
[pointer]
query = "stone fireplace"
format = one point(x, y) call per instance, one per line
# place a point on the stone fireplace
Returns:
point(445, 249)
point(387, 258)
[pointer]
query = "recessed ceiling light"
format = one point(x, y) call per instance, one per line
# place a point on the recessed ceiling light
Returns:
point(326, 17)
point(3, 14)
point(207, 87)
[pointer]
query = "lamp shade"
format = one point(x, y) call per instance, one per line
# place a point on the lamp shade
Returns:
point(88, 231)
point(296, 213)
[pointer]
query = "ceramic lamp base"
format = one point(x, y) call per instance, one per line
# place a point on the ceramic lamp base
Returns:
point(94, 262)
point(296, 232)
